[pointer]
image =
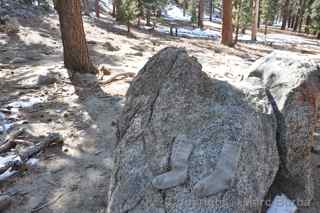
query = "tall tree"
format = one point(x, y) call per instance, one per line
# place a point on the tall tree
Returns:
point(254, 23)
point(97, 7)
point(227, 28)
point(75, 50)
point(285, 14)
point(315, 15)
point(211, 8)
point(200, 13)
point(239, 10)
point(85, 7)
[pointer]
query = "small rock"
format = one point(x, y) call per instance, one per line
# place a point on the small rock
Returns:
point(91, 42)
point(104, 70)
point(48, 79)
point(45, 35)
point(109, 47)
point(138, 54)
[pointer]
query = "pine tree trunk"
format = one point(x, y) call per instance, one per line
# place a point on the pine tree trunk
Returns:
point(85, 7)
point(227, 23)
point(259, 17)
point(296, 23)
point(75, 50)
point(254, 24)
point(294, 19)
point(211, 9)
point(97, 8)
point(307, 27)
point(289, 21)
point(185, 6)
point(302, 13)
point(114, 8)
point(119, 11)
point(200, 14)
point(238, 21)
point(285, 11)
point(148, 16)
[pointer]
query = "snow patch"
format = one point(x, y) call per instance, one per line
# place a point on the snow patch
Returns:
point(6, 159)
point(32, 162)
point(277, 38)
point(173, 12)
point(194, 33)
point(25, 103)
point(7, 174)
point(281, 204)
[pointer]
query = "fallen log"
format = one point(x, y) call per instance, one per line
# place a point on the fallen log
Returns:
point(8, 142)
point(26, 154)
point(115, 77)
point(33, 150)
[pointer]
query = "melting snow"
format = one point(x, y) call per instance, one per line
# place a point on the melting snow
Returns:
point(32, 161)
point(7, 174)
point(6, 159)
point(192, 32)
point(281, 39)
point(281, 204)
point(172, 12)
point(24, 103)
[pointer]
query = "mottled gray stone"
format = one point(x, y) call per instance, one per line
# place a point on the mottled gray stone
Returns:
point(292, 84)
point(232, 143)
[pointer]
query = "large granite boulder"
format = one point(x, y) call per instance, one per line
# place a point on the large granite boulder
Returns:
point(188, 143)
point(292, 84)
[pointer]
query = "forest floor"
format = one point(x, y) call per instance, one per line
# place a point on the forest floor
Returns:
point(74, 177)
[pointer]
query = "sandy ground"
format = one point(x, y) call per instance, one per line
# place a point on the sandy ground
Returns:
point(74, 178)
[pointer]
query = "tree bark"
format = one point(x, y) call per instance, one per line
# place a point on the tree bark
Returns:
point(307, 27)
point(285, 11)
point(113, 14)
point(238, 22)
point(293, 21)
point(211, 10)
point(75, 50)
point(289, 21)
point(296, 21)
point(119, 12)
point(148, 17)
point(185, 6)
point(200, 14)
point(254, 24)
point(259, 17)
point(97, 8)
point(85, 7)
point(227, 28)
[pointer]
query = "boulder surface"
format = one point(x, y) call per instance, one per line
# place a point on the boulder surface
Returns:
point(188, 143)
point(292, 85)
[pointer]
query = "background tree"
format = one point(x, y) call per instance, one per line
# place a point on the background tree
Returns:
point(238, 8)
point(200, 13)
point(285, 14)
point(315, 16)
point(75, 50)
point(254, 23)
point(130, 11)
point(268, 10)
point(245, 15)
point(227, 28)
point(97, 8)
